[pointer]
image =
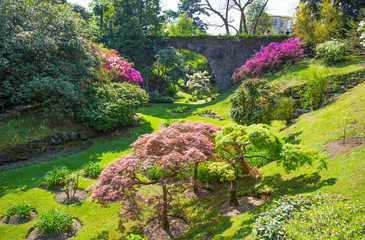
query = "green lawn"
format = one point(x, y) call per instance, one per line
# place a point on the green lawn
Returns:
point(296, 74)
point(345, 173)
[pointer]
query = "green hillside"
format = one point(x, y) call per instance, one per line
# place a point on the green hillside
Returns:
point(345, 174)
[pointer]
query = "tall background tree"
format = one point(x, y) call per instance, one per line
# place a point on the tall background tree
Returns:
point(318, 26)
point(131, 23)
point(258, 21)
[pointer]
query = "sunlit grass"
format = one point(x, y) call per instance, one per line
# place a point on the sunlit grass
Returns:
point(345, 173)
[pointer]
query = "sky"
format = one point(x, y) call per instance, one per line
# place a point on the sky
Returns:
point(275, 7)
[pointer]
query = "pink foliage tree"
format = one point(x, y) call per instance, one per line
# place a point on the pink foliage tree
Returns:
point(270, 57)
point(172, 150)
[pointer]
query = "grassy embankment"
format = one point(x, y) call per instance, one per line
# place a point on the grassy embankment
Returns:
point(345, 173)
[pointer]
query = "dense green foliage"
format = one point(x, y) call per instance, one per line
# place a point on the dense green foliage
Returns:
point(167, 69)
point(183, 26)
point(56, 177)
point(44, 58)
point(258, 21)
point(254, 102)
point(285, 109)
point(316, 92)
point(269, 225)
point(108, 105)
point(334, 220)
point(55, 221)
point(92, 169)
point(326, 24)
point(332, 51)
point(131, 22)
point(22, 210)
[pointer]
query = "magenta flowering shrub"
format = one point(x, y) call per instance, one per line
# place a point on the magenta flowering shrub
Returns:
point(116, 68)
point(270, 57)
point(173, 150)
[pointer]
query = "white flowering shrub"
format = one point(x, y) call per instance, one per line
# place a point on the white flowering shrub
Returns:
point(362, 30)
point(199, 84)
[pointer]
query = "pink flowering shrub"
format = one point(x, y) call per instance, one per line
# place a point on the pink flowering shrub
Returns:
point(172, 150)
point(116, 68)
point(270, 57)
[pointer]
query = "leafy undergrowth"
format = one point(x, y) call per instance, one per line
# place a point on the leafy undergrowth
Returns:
point(296, 74)
point(345, 174)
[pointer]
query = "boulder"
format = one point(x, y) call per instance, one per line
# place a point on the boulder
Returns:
point(7, 156)
point(56, 139)
point(65, 137)
point(74, 136)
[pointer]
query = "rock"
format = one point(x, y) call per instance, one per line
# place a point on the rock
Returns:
point(32, 153)
point(5, 116)
point(56, 139)
point(13, 113)
point(82, 136)
point(65, 137)
point(74, 136)
point(135, 121)
point(35, 144)
point(7, 156)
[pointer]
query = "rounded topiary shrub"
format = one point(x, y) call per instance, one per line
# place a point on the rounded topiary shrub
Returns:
point(333, 51)
point(108, 105)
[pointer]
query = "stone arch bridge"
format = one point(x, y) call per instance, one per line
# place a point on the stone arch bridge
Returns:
point(223, 54)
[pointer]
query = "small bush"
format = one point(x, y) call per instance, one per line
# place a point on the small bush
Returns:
point(168, 122)
point(71, 184)
point(135, 237)
point(332, 51)
point(316, 92)
point(21, 209)
point(163, 99)
point(270, 57)
point(269, 225)
point(285, 109)
point(337, 220)
point(180, 109)
point(56, 177)
point(55, 221)
point(254, 102)
point(193, 99)
point(199, 83)
point(171, 91)
point(92, 169)
point(205, 175)
point(107, 105)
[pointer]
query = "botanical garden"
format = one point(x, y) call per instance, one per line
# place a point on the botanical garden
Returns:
point(127, 120)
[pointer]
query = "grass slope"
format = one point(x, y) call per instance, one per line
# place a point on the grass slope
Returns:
point(345, 173)
point(296, 74)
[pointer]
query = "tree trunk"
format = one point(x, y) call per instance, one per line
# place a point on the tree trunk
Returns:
point(101, 19)
point(259, 16)
point(233, 194)
point(195, 179)
point(164, 218)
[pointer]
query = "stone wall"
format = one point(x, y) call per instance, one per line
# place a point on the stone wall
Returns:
point(223, 54)
point(38, 147)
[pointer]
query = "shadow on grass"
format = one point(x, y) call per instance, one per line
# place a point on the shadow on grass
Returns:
point(26, 178)
point(164, 110)
point(209, 224)
point(292, 138)
point(304, 183)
